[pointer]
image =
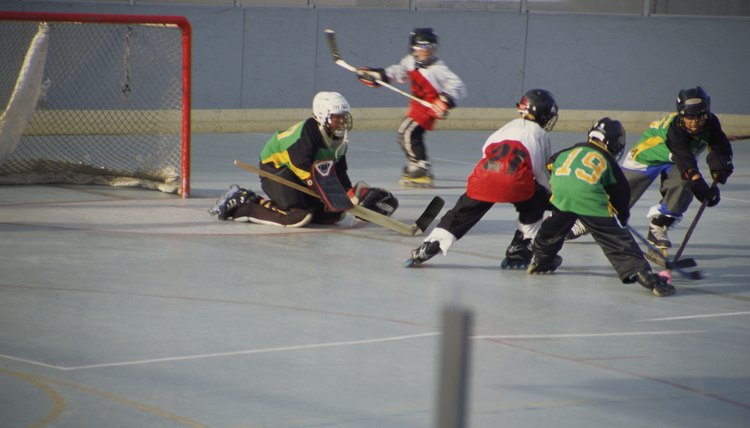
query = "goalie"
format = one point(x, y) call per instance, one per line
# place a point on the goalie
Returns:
point(312, 153)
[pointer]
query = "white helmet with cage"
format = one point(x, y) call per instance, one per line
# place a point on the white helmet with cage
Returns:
point(326, 104)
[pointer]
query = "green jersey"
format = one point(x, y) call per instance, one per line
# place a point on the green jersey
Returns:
point(587, 181)
point(299, 146)
point(653, 147)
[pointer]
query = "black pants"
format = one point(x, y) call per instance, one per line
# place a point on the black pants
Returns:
point(616, 242)
point(468, 211)
point(286, 198)
point(411, 140)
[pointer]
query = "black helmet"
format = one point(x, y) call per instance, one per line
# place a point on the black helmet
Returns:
point(423, 38)
point(611, 134)
point(693, 102)
point(539, 105)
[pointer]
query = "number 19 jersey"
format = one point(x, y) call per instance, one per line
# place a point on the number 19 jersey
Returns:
point(579, 177)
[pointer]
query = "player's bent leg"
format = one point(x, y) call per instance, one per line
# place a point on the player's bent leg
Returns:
point(324, 217)
point(264, 211)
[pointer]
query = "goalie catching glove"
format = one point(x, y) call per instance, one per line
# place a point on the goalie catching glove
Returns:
point(373, 198)
point(370, 76)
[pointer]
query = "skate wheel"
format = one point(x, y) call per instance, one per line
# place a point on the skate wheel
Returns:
point(409, 263)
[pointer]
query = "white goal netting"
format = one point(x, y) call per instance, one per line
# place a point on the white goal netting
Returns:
point(95, 99)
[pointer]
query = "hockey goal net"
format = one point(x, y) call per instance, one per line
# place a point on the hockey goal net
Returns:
point(95, 99)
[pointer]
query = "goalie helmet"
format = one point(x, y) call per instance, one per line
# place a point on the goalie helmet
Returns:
point(539, 106)
point(335, 129)
point(609, 134)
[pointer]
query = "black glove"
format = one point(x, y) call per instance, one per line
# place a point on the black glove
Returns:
point(373, 198)
point(623, 218)
point(370, 76)
point(720, 165)
point(703, 192)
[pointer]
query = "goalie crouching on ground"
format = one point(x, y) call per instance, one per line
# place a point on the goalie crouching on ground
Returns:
point(290, 154)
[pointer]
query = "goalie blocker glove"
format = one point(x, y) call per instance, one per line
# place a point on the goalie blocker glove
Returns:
point(370, 76)
point(373, 198)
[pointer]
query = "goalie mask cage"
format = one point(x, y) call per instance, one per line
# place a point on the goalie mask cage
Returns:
point(95, 99)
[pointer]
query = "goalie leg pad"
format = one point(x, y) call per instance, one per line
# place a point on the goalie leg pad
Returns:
point(329, 187)
point(265, 212)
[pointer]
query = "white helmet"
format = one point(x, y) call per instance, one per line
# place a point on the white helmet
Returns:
point(327, 103)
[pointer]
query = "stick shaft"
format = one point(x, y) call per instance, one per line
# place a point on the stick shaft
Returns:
point(357, 210)
point(738, 137)
point(333, 46)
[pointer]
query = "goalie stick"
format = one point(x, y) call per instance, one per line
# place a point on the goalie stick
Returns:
point(417, 228)
point(333, 46)
point(668, 263)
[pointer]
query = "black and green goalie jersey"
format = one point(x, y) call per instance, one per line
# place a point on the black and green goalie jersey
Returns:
point(299, 146)
point(586, 180)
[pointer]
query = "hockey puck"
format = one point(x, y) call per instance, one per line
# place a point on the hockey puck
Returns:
point(666, 275)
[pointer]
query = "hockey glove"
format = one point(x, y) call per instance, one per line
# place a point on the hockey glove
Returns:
point(370, 76)
point(373, 198)
point(441, 106)
point(623, 218)
point(720, 165)
point(703, 192)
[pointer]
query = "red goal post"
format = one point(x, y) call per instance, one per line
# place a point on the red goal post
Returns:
point(95, 99)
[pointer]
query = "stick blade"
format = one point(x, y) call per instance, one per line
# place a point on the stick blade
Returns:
point(332, 45)
point(428, 216)
point(685, 263)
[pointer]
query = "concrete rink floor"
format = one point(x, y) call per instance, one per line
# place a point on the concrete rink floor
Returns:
point(131, 308)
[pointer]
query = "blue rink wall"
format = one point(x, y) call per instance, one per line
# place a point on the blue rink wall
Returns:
point(277, 58)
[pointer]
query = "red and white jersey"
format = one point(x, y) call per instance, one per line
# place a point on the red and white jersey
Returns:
point(514, 158)
point(426, 83)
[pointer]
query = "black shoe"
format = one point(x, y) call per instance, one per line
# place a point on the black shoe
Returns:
point(575, 232)
point(424, 252)
point(519, 254)
point(657, 284)
point(537, 267)
point(230, 200)
point(657, 235)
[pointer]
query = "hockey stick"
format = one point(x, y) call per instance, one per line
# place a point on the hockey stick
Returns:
point(690, 230)
point(668, 263)
point(738, 137)
point(658, 258)
point(333, 46)
point(417, 228)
